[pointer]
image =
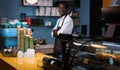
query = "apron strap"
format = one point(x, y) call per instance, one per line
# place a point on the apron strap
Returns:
point(62, 22)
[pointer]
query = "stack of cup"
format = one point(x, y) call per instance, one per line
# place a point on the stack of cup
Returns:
point(22, 40)
point(20, 54)
point(24, 29)
point(31, 43)
point(18, 36)
point(30, 53)
point(29, 32)
point(26, 42)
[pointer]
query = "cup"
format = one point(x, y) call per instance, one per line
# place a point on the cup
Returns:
point(20, 54)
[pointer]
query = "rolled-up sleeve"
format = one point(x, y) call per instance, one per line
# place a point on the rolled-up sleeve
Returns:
point(54, 27)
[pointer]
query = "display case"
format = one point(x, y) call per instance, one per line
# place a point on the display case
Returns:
point(94, 55)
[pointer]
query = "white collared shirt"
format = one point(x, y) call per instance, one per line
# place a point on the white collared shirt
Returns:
point(66, 27)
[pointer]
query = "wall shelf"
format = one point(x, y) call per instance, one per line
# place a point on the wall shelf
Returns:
point(42, 16)
point(38, 3)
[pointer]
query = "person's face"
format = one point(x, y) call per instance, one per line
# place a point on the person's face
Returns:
point(62, 9)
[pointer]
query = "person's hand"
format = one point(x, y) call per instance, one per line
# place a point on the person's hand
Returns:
point(55, 33)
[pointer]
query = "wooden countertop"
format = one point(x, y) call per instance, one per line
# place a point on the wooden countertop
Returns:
point(25, 63)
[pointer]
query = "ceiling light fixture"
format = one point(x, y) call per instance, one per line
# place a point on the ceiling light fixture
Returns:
point(32, 1)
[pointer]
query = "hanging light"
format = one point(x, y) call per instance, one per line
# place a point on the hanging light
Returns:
point(32, 1)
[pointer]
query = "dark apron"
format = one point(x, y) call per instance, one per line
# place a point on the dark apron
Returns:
point(57, 48)
point(57, 45)
point(60, 45)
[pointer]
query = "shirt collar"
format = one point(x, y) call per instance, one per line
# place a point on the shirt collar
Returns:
point(62, 17)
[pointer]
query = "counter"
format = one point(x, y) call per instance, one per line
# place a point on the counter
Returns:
point(22, 63)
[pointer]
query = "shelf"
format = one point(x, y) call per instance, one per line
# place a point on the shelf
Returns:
point(53, 3)
point(38, 3)
point(48, 16)
point(41, 26)
point(36, 6)
point(43, 16)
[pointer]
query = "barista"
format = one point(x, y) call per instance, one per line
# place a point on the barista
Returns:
point(63, 26)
